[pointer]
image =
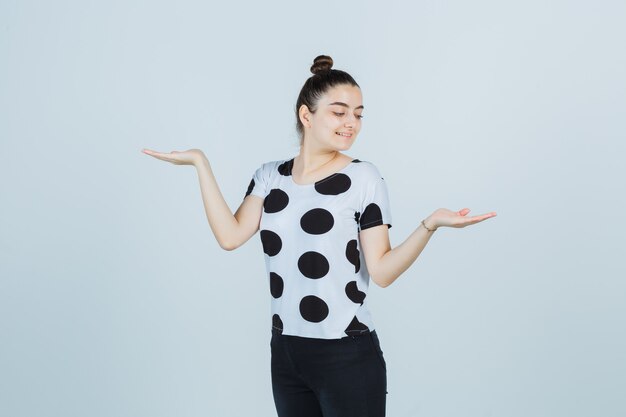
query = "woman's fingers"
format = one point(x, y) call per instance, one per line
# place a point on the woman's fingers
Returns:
point(478, 219)
point(154, 153)
point(188, 157)
point(162, 156)
point(169, 157)
point(449, 218)
point(458, 219)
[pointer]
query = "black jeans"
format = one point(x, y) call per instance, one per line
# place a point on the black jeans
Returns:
point(328, 377)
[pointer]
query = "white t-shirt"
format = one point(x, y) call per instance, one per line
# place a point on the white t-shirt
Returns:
point(310, 235)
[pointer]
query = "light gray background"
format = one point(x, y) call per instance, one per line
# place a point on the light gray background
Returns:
point(115, 298)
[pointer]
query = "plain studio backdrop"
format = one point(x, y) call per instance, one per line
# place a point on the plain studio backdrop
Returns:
point(115, 298)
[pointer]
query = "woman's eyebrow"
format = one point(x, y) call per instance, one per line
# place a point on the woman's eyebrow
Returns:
point(339, 103)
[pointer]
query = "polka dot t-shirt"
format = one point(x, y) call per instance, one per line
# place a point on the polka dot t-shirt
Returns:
point(316, 270)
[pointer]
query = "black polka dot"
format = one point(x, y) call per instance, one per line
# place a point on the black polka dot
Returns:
point(334, 185)
point(277, 324)
point(276, 285)
point(355, 327)
point(317, 221)
point(275, 201)
point(271, 242)
point(357, 215)
point(353, 293)
point(313, 309)
point(250, 188)
point(286, 167)
point(313, 265)
point(372, 216)
point(352, 254)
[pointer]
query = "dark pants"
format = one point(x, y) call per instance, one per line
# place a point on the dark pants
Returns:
point(328, 377)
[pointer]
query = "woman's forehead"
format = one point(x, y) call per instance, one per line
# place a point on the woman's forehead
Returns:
point(348, 94)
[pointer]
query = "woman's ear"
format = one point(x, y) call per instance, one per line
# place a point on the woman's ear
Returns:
point(305, 115)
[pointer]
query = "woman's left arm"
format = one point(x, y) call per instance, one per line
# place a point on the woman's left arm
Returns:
point(385, 265)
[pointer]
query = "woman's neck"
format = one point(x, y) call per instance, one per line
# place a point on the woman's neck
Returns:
point(305, 164)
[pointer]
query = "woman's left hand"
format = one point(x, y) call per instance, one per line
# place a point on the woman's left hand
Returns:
point(448, 218)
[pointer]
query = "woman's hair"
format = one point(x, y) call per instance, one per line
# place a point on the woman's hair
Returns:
point(323, 78)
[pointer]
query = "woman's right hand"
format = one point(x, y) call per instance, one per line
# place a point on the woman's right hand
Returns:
point(458, 219)
point(189, 157)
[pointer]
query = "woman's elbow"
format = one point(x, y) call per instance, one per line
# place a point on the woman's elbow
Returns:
point(228, 245)
point(379, 282)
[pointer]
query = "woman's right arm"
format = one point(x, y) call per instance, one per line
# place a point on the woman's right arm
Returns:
point(231, 231)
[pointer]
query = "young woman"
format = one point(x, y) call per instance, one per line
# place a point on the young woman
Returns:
point(323, 218)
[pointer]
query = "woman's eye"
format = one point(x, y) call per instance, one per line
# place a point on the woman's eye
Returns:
point(341, 114)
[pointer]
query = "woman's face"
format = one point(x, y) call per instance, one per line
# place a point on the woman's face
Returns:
point(337, 121)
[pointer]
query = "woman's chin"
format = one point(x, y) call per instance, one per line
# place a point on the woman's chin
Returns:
point(344, 143)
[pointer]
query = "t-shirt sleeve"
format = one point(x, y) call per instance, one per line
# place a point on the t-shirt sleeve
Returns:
point(376, 209)
point(258, 183)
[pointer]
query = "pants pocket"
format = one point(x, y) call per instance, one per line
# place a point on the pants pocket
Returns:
point(378, 350)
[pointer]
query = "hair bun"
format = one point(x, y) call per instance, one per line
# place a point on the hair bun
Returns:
point(321, 64)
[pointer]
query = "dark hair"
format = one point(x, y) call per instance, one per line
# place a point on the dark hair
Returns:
point(323, 78)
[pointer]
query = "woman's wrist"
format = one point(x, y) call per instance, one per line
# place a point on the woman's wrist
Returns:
point(428, 224)
point(201, 161)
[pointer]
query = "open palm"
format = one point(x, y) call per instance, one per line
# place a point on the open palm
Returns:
point(449, 218)
point(189, 157)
